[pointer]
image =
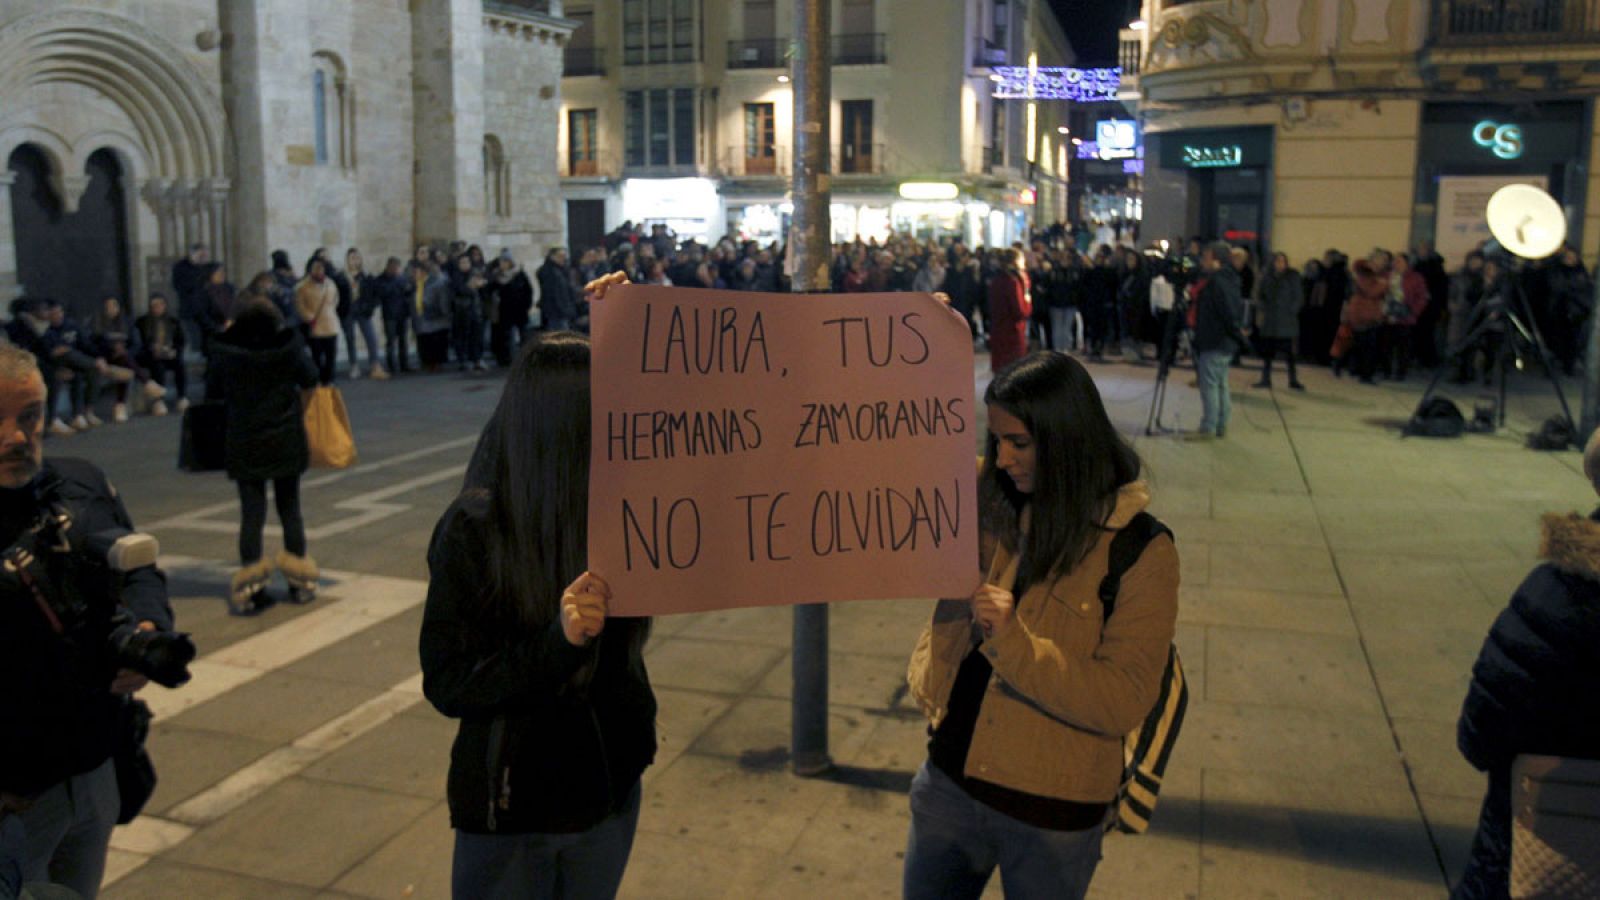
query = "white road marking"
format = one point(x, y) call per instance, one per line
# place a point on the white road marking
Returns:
point(358, 602)
point(361, 601)
point(251, 781)
point(369, 507)
point(146, 837)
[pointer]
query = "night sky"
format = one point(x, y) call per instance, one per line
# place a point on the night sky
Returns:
point(1091, 26)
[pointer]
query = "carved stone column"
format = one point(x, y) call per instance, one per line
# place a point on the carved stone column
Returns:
point(157, 195)
point(8, 246)
point(215, 196)
point(186, 215)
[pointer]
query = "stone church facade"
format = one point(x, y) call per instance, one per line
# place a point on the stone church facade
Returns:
point(131, 129)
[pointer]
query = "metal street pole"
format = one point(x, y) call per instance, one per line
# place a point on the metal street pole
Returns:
point(810, 248)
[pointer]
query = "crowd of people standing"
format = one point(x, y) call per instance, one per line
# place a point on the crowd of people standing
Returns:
point(1381, 316)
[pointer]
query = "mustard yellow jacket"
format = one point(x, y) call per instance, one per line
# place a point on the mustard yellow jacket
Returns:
point(1067, 685)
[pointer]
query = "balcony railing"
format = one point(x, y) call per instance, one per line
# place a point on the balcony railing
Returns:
point(596, 164)
point(741, 161)
point(762, 53)
point(987, 53)
point(1480, 22)
point(858, 159)
point(635, 56)
point(859, 49)
point(515, 7)
point(773, 53)
point(1130, 50)
point(583, 61)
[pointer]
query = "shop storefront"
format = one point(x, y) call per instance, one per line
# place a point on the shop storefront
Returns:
point(1210, 183)
point(1467, 151)
point(689, 207)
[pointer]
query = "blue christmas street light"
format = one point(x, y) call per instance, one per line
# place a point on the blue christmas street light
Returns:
point(1056, 83)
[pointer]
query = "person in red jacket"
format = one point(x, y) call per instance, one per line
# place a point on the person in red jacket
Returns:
point(1009, 311)
point(1363, 315)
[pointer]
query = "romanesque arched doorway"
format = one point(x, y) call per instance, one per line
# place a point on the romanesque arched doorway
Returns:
point(76, 256)
point(125, 122)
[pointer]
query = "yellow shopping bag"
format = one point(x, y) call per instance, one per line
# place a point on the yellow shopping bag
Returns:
point(328, 429)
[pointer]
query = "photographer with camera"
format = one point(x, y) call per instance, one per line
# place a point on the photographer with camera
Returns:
point(84, 624)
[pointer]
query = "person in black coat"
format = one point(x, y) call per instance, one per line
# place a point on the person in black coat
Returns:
point(513, 292)
point(558, 296)
point(258, 370)
point(1536, 685)
point(62, 693)
point(1218, 310)
point(557, 717)
point(161, 351)
point(466, 314)
point(1100, 284)
point(394, 293)
point(189, 286)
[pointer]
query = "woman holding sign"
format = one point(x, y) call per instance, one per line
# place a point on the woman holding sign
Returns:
point(1028, 687)
point(557, 715)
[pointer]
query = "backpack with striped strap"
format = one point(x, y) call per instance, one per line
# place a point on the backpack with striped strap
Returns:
point(1145, 750)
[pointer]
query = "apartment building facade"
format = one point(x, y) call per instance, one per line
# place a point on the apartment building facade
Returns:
point(681, 112)
point(1302, 125)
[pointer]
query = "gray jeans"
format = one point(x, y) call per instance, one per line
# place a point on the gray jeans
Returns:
point(69, 829)
point(587, 865)
point(957, 842)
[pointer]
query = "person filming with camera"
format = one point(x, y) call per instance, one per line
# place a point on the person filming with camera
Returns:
point(84, 624)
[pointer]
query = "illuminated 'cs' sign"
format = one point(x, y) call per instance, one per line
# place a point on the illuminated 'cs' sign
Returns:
point(1504, 141)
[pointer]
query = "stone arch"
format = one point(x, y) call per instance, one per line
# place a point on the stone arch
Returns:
point(171, 133)
point(180, 122)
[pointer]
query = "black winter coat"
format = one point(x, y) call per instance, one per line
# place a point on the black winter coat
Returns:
point(160, 337)
point(516, 300)
point(1571, 294)
point(55, 700)
point(562, 758)
point(558, 297)
point(394, 295)
point(1217, 313)
point(260, 382)
point(1535, 687)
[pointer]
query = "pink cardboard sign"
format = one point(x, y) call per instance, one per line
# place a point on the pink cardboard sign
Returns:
point(771, 449)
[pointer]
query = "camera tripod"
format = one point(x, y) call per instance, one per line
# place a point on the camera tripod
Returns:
point(1173, 336)
point(1521, 336)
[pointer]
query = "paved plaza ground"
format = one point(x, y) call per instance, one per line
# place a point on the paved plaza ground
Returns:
point(1337, 584)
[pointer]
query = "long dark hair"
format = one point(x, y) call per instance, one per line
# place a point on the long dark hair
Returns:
point(531, 467)
point(1082, 462)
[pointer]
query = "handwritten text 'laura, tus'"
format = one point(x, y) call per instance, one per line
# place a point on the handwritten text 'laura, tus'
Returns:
point(719, 340)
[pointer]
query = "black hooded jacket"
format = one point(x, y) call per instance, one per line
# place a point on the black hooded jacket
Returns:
point(536, 751)
point(1218, 312)
point(1535, 687)
point(259, 377)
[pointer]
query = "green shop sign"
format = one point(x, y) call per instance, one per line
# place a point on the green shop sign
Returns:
point(1212, 157)
point(1222, 148)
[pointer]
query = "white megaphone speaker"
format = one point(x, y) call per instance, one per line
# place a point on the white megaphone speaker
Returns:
point(1526, 221)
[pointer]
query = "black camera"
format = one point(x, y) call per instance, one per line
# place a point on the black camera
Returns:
point(63, 571)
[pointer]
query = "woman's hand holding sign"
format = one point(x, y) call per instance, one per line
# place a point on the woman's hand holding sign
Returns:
point(583, 609)
point(597, 288)
point(994, 609)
